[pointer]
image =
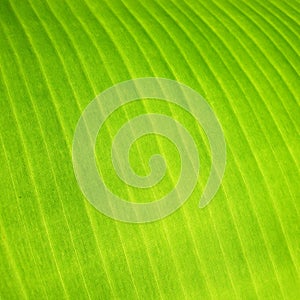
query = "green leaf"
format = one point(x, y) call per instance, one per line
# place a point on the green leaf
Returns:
point(242, 57)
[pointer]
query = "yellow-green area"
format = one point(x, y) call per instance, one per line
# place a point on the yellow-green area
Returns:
point(242, 57)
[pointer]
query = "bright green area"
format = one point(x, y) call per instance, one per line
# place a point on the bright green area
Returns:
point(243, 57)
point(146, 146)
